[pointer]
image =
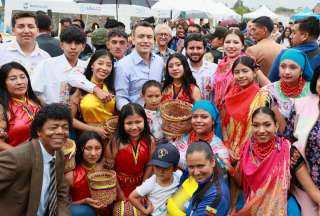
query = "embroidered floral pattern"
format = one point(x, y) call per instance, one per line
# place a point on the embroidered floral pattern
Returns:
point(313, 153)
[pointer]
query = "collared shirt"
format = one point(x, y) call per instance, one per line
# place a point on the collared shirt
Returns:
point(46, 157)
point(11, 51)
point(131, 73)
point(164, 56)
point(204, 77)
point(53, 78)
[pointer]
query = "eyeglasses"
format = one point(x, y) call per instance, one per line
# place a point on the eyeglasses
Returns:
point(163, 34)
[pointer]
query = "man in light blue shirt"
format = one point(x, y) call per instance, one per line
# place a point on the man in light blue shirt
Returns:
point(138, 67)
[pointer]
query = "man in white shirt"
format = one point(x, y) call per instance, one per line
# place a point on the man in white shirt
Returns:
point(54, 77)
point(202, 71)
point(24, 49)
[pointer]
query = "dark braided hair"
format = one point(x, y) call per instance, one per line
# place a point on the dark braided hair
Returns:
point(204, 147)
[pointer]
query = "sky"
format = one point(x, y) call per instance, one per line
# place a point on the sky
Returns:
point(273, 4)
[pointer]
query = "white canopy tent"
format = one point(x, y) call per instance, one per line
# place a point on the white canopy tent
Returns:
point(221, 11)
point(262, 11)
point(71, 7)
point(199, 7)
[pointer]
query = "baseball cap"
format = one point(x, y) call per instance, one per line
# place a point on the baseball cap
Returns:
point(99, 36)
point(165, 156)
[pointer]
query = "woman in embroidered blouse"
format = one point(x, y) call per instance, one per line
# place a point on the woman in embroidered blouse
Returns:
point(18, 105)
point(88, 157)
point(295, 74)
point(93, 110)
point(179, 83)
point(205, 127)
point(303, 130)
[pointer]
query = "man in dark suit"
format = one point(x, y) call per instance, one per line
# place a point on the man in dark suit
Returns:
point(45, 40)
point(27, 173)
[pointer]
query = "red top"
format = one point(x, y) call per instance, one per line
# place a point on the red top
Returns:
point(80, 188)
point(181, 95)
point(130, 166)
point(21, 114)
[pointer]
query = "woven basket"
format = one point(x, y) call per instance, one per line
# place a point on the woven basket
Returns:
point(125, 208)
point(176, 117)
point(68, 148)
point(103, 186)
point(111, 125)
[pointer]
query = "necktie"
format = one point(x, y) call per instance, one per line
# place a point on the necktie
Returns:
point(52, 198)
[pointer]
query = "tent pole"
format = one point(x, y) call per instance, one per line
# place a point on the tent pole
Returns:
point(117, 8)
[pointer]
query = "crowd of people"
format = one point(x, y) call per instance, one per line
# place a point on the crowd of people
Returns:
point(253, 147)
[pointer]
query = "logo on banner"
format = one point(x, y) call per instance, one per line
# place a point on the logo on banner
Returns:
point(90, 9)
point(25, 5)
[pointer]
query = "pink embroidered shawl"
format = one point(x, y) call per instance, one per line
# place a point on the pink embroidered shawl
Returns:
point(265, 183)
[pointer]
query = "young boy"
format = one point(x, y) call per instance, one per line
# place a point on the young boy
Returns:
point(53, 77)
point(160, 186)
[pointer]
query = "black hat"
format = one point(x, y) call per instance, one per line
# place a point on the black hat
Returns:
point(165, 156)
point(149, 20)
point(218, 33)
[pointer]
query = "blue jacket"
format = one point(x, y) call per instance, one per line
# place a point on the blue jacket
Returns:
point(207, 203)
point(307, 48)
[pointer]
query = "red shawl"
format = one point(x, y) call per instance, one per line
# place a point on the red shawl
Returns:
point(222, 80)
point(235, 118)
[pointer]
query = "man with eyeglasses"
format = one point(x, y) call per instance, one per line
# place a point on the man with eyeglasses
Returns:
point(163, 37)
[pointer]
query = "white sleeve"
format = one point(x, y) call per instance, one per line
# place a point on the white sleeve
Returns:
point(78, 80)
point(178, 173)
point(38, 78)
point(147, 186)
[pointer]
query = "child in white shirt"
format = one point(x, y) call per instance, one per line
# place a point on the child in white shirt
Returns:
point(160, 186)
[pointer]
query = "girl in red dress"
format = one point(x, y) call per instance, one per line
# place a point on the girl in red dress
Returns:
point(179, 82)
point(130, 149)
point(18, 105)
point(88, 157)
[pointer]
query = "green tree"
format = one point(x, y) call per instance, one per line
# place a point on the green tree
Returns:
point(240, 8)
point(283, 10)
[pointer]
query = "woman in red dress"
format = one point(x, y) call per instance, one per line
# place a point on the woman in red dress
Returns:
point(88, 157)
point(130, 149)
point(179, 83)
point(18, 105)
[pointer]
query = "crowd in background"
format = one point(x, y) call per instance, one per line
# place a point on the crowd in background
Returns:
point(253, 146)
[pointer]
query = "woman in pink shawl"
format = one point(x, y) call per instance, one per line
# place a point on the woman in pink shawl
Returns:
point(266, 166)
point(233, 45)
